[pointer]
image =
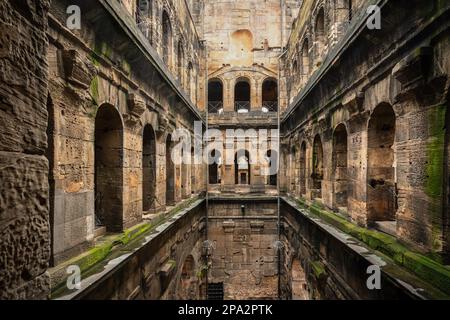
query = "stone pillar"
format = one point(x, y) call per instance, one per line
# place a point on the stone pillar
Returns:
point(357, 159)
point(24, 190)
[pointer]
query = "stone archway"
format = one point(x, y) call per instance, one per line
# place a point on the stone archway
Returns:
point(170, 173)
point(242, 168)
point(215, 96)
point(185, 173)
point(339, 162)
point(317, 174)
point(109, 168)
point(270, 95)
point(188, 288)
point(148, 169)
point(381, 188)
point(303, 169)
point(320, 34)
point(299, 285)
point(242, 96)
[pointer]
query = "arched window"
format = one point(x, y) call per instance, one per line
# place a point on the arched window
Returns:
point(317, 175)
point(272, 158)
point(144, 17)
point(185, 172)
point(166, 38)
point(109, 168)
point(381, 189)
point(294, 72)
point(305, 61)
point(447, 180)
point(242, 167)
point(241, 48)
point(270, 95)
point(193, 172)
point(339, 162)
point(215, 168)
point(180, 55)
point(299, 284)
point(215, 96)
point(148, 169)
point(170, 173)
point(50, 155)
point(293, 169)
point(242, 96)
point(189, 79)
point(320, 33)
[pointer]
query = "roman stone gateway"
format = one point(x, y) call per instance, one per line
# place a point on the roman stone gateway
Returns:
point(317, 149)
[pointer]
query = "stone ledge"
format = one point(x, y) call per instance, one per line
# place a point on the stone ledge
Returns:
point(108, 245)
point(425, 268)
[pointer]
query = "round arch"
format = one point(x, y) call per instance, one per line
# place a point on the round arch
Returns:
point(109, 168)
point(215, 95)
point(381, 176)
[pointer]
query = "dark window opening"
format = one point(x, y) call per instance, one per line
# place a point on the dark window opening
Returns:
point(215, 96)
point(270, 96)
point(381, 188)
point(242, 167)
point(242, 96)
point(109, 169)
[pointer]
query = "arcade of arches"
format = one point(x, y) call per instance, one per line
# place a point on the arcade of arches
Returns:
point(357, 128)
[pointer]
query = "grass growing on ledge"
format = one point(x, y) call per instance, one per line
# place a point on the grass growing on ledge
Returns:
point(91, 258)
point(425, 268)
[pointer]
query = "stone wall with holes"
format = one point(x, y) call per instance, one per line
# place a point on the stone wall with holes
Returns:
point(391, 104)
point(97, 68)
point(243, 235)
point(157, 269)
point(24, 191)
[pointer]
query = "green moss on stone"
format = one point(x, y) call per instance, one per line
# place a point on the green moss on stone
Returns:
point(318, 269)
point(429, 270)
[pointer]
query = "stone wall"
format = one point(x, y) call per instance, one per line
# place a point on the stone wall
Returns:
point(243, 236)
point(24, 191)
point(330, 265)
point(392, 113)
point(107, 88)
